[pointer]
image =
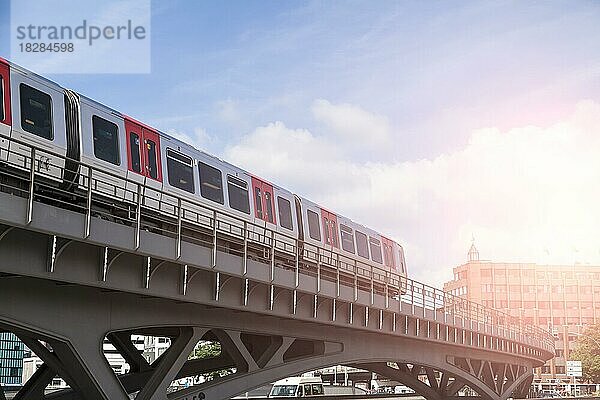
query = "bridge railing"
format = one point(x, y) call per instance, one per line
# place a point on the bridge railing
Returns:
point(58, 180)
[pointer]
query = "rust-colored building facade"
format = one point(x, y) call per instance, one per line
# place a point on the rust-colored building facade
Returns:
point(562, 298)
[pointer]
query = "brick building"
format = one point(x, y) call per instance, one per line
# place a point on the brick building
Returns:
point(564, 299)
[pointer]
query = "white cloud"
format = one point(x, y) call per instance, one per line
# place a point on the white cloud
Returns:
point(526, 194)
point(201, 140)
point(361, 132)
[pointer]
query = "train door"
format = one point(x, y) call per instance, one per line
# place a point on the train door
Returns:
point(388, 253)
point(330, 229)
point(264, 203)
point(143, 161)
point(38, 119)
point(5, 113)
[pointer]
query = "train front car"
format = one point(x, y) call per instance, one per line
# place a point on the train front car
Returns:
point(362, 255)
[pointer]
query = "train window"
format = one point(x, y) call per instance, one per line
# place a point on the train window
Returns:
point(36, 112)
point(106, 140)
point(285, 212)
point(347, 238)
point(400, 260)
point(258, 202)
point(375, 250)
point(134, 145)
point(179, 169)
point(269, 207)
point(211, 183)
point(152, 165)
point(238, 194)
point(362, 245)
point(313, 225)
point(388, 255)
point(308, 390)
point(317, 389)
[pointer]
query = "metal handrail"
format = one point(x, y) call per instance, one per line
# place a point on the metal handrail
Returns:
point(410, 291)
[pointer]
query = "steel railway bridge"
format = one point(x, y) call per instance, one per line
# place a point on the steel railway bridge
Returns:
point(77, 267)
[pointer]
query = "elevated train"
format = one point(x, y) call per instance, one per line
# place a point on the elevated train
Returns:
point(39, 112)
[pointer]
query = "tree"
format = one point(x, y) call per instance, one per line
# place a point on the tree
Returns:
point(587, 350)
point(209, 349)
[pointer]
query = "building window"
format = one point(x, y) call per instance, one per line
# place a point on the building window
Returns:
point(238, 194)
point(211, 183)
point(528, 304)
point(486, 273)
point(530, 289)
point(571, 289)
point(527, 273)
point(179, 171)
point(285, 212)
point(106, 140)
point(572, 304)
point(314, 229)
point(36, 112)
point(568, 275)
point(560, 369)
point(586, 289)
point(557, 289)
point(347, 238)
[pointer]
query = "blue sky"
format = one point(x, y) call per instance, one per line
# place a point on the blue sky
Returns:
point(421, 78)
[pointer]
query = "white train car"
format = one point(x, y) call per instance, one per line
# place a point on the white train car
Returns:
point(128, 156)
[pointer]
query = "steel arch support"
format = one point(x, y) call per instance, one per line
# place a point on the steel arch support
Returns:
point(170, 364)
point(81, 317)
